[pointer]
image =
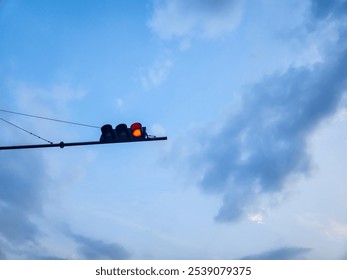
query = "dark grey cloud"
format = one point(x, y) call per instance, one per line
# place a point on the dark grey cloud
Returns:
point(263, 143)
point(266, 142)
point(16, 225)
point(2, 255)
point(285, 253)
point(45, 257)
point(22, 178)
point(91, 249)
point(322, 9)
point(23, 182)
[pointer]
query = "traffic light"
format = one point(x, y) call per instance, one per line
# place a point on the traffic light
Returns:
point(137, 131)
point(107, 133)
point(122, 133)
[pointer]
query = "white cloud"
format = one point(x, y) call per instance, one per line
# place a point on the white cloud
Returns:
point(185, 44)
point(336, 230)
point(205, 18)
point(119, 103)
point(257, 218)
point(45, 100)
point(50, 102)
point(158, 130)
point(341, 115)
point(186, 20)
point(331, 228)
point(167, 20)
point(157, 74)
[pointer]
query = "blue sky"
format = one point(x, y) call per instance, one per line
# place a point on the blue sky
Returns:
point(252, 97)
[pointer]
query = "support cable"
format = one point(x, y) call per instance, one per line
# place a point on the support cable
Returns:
point(50, 142)
point(49, 119)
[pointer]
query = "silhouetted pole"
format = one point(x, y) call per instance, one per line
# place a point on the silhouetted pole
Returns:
point(62, 144)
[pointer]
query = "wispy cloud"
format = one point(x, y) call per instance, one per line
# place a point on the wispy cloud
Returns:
point(22, 181)
point(202, 18)
point(285, 253)
point(45, 99)
point(157, 73)
point(2, 256)
point(337, 229)
point(186, 20)
point(92, 249)
point(158, 129)
point(257, 218)
point(331, 228)
point(27, 178)
point(119, 103)
point(53, 101)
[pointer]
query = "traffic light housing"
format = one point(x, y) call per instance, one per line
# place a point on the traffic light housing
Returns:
point(107, 133)
point(137, 131)
point(121, 133)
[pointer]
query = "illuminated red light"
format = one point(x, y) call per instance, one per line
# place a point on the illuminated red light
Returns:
point(136, 129)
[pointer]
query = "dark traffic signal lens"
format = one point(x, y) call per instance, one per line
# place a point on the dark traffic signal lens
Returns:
point(107, 133)
point(122, 131)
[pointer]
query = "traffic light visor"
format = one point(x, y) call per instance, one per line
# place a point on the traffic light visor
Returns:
point(136, 129)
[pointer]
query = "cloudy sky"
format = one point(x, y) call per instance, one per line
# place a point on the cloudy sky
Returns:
point(251, 94)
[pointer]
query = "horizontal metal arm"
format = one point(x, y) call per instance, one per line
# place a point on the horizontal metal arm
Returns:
point(62, 144)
